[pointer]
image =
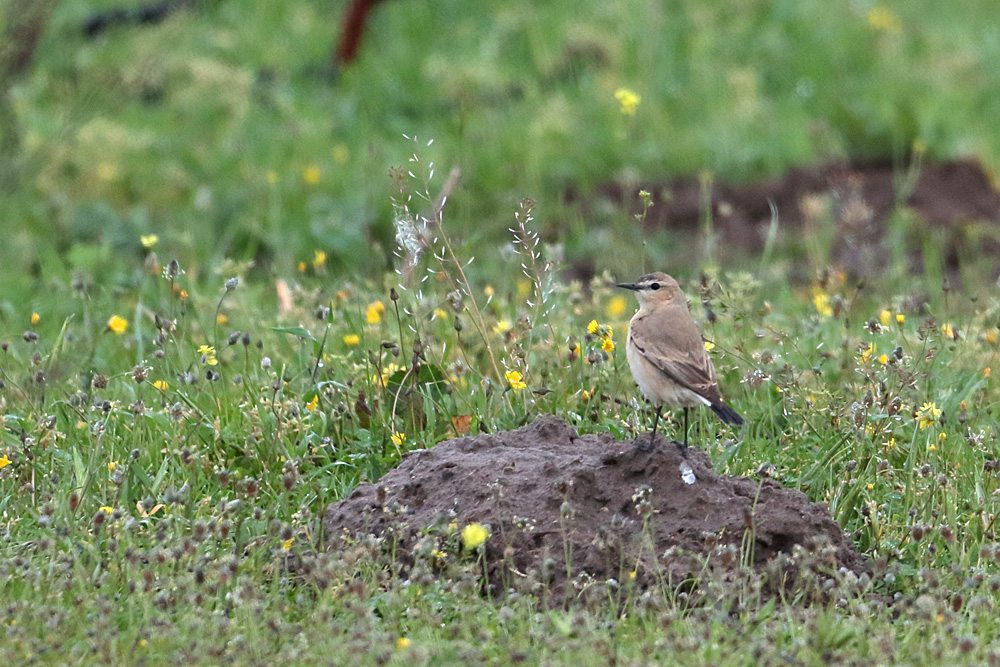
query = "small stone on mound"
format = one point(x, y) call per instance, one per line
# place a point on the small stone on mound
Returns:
point(543, 487)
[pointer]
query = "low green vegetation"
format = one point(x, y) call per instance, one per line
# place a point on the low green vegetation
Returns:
point(232, 291)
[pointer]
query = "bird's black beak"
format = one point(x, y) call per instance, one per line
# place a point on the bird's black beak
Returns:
point(631, 286)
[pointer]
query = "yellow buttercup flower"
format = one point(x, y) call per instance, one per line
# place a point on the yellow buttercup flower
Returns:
point(287, 544)
point(149, 240)
point(106, 509)
point(352, 339)
point(221, 318)
point(822, 302)
point(592, 327)
point(883, 359)
point(628, 100)
point(474, 535)
point(884, 20)
point(208, 355)
point(927, 415)
point(709, 346)
point(885, 317)
point(311, 405)
point(608, 345)
point(866, 354)
point(515, 379)
point(319, 258)
point(117, 325)
point(4, 462)
point(502, 326)
point(616, 307)
point(161, 385)
point(948, 330)
point(402, 643)
point(900, 318)
point(398, 438)
point(374, 314)
point(311, 175)
point(35, 317)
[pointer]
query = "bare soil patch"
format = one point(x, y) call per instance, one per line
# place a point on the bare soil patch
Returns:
point(857, 199)
point(579, 492)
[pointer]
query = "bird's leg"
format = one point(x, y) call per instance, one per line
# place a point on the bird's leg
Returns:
point(683, 446)
point(656, 422)
point(652, 436)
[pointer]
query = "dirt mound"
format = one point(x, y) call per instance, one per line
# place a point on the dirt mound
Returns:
point(547, 492)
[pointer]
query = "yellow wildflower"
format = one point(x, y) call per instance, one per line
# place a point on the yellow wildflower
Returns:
point(616, 307)
point(885, 317)
point(311, 175)
point(866, 355)
point(4, 462)
point(387, 372)
point(112, 465)
point(398, 438)
point(900, 318)
point(272, 176)
point(440, 314)
point(149, 240)
point(107, 171)
point(184, 295)
point(402, 643)
point(927, 415)
point(592, 327)
point(501, 327)
point(585, 395)
point(991, 336)
point(883, 359)
point(319, 258)
point(302, 267)
point(822, 302)
point(883, 19)
point(311, 405)
point(221, 318)
point(608, 345)
point(948, 330)
point(107, 510)
point(515, 380)
point(473, 535)
point(709, 346)
point(986, 372)
point(488, 290)
point(161, 385)
point(117, 325)
point(35, 317)
point(942, 436)
point(374, 314)
point(208, 355)
point(287, 544)
point(351, 340)
point(628, 100)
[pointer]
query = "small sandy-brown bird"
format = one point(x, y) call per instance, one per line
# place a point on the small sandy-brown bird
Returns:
point(666, 353)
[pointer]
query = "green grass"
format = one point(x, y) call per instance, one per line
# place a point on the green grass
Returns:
point(153, 503)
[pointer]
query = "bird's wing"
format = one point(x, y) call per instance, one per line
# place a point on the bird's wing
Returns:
point(670, 341)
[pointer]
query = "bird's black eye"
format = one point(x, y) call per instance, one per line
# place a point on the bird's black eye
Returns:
point(655, 286)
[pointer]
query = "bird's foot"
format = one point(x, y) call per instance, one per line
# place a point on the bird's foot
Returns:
point(644, 443)
point(682, 448)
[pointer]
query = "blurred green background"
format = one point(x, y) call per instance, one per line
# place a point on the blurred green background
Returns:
point(225, 131)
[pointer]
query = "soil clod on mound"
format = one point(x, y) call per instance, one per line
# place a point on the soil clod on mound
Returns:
point(583, 491)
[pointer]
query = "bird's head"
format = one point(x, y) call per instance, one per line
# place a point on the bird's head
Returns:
point(654, 288)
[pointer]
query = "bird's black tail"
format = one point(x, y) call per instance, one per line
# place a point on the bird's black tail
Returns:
point(727, 414)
